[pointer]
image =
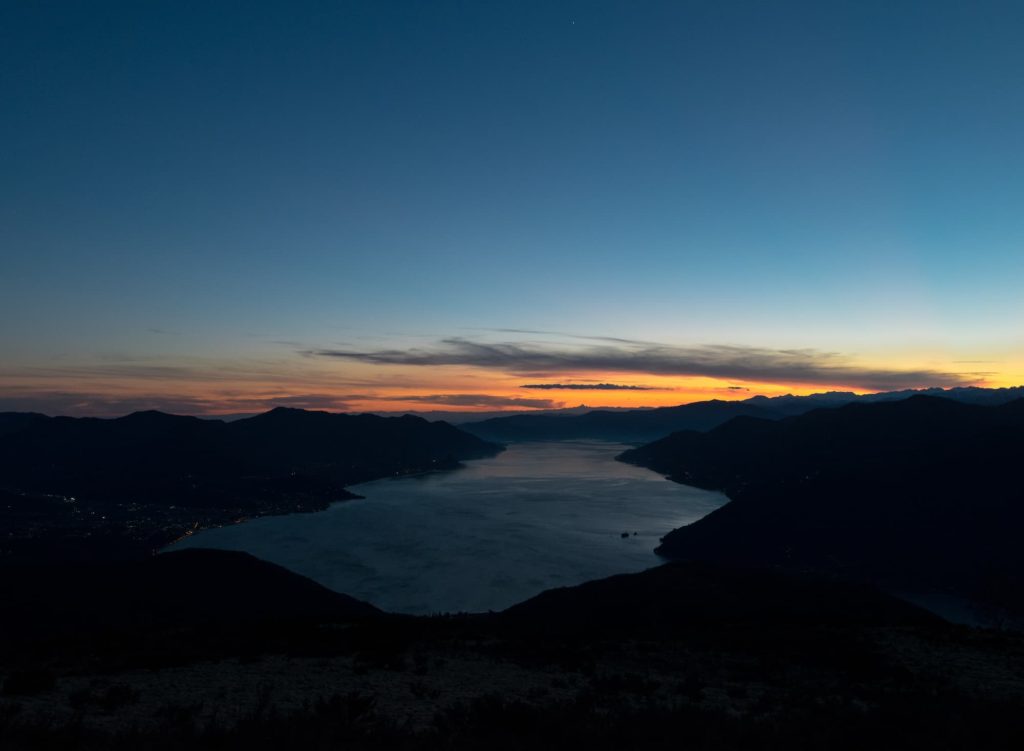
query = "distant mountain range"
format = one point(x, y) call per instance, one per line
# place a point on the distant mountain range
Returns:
point(922, 492)
point(643, 425)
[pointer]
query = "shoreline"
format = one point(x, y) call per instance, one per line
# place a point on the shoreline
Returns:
point(570, 502)
point(351, 496)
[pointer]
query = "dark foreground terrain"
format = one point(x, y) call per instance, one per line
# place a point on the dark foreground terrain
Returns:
point(214, 650)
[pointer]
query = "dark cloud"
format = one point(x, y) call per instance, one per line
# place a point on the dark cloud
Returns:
point(755, 364)
point(122, 368)
point(737, 388)
point(477, 400)
point(330, 402)
point(588, 387)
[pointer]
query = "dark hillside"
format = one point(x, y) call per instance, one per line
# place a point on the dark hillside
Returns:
point(86, 487)
point(920, 492)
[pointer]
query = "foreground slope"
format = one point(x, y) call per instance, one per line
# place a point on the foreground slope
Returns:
point(160, 595)
point(686, 655)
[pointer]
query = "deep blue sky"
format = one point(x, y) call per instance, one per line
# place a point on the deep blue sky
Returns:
point(256, 180)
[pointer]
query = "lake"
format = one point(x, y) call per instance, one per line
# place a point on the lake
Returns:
point(500, 530)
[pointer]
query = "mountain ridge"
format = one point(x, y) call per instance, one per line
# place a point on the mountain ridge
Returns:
point(645, 425)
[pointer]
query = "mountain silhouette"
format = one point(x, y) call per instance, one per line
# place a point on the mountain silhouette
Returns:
point(644, 425)
point(630, 426)
point(88, 489)
point(923, 492)
point(151, 456)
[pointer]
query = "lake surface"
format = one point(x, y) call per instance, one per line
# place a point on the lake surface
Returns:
point(537, 516)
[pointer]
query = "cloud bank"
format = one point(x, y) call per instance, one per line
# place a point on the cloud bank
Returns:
point(752, 364)
point(588, 387)
point(476, 400)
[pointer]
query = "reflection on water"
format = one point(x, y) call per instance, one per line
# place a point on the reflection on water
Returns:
point(539, 515)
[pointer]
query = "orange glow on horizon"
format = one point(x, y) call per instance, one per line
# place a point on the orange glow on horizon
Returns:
point(207, 388)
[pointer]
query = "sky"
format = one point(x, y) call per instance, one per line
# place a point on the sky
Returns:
point(221, 207)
